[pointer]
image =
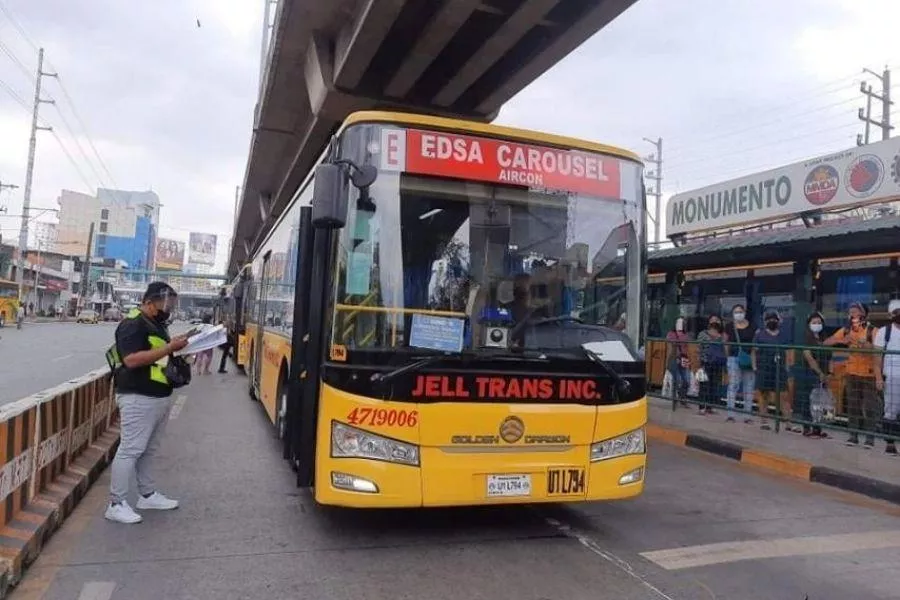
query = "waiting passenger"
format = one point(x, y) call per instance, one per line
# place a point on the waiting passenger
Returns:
point(772, 366)
point(678, 363)
point(888, 377)
point(713, 360)
point(860, 394)
point(811, 373)
point(740, 363)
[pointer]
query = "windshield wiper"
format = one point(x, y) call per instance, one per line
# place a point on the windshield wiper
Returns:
point(466, 355)
point(408, 368)
point(622, 385)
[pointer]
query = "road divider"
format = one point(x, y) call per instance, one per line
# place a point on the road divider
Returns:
point(53, 446)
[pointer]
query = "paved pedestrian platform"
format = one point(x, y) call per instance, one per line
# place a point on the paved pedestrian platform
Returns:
point(830, 453)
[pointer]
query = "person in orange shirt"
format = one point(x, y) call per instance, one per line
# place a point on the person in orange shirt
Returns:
point(860, 393)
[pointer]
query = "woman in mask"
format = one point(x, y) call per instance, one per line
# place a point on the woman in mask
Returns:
point(811, 372)
point(677, 360)
point(740, 364)
point(772, 366)
point(713, 360)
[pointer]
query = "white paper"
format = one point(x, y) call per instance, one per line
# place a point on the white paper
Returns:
point(209, 337)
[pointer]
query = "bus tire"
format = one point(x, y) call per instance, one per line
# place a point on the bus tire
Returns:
point(251, 382)
point(282, 425)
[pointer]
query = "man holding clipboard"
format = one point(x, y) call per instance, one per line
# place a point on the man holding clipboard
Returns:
point(146, 371)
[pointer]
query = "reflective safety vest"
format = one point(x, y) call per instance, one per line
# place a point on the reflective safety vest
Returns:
point(157, 369)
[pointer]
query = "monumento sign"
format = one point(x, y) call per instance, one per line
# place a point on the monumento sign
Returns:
point(861, 175)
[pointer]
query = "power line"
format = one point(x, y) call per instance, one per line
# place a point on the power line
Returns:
point(16, 24)
point(769, 163)
point(793, 117)
point(72, 160)
point(14, 95)
point(84, 128)
point(78, 145)
point(12, 56)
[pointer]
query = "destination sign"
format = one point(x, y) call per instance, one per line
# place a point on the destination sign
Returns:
point(499, 161)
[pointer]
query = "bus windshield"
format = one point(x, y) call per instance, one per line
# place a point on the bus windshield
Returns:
point(495, 262)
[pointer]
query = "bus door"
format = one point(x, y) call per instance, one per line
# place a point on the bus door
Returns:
point(297, 441)
point(256, 361)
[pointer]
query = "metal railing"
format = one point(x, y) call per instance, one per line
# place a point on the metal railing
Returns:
point(808, 389)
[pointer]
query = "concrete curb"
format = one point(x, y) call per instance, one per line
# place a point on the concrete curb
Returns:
point(784, 465)
point(22, 539)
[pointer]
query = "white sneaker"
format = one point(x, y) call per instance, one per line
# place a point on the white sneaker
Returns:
point(156, 501)
point(122, 513)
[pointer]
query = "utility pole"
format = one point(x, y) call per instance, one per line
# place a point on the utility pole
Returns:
point(656, 176)
point(865, 115)
point(29, 172)
point(86, 269)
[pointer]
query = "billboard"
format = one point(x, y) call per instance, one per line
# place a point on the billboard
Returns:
point(169, 254)
point(202, 248)
point(862, 175)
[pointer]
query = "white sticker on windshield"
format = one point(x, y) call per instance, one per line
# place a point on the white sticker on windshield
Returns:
point(612, 350)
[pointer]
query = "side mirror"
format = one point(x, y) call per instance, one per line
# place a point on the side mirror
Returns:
point(329, 207)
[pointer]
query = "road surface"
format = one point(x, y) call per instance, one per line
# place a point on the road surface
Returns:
point(245, 532)
point(43, 355)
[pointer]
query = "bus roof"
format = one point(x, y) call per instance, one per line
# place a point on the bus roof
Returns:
point(486, 129)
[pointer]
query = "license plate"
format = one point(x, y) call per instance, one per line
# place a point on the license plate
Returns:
point(565, 481)
point(508, 485)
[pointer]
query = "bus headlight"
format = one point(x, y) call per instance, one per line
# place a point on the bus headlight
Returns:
point(633, 442)
point(350, 442)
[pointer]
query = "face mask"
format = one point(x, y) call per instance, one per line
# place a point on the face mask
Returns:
point(771, 325)
point(679, 326)
point(815, 327)
point(739, 316)
point(163, 316)
point(715, 327)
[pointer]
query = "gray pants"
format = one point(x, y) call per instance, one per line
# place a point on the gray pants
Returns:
point(142, 422)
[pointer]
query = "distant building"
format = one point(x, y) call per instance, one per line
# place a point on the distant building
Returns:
point(125, 225)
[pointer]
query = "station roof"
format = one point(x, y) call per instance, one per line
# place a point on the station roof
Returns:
point(327, 59)
point(833, 240)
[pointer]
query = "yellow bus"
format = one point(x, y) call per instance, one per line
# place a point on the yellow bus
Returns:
point(9, 301)
point(424, 325)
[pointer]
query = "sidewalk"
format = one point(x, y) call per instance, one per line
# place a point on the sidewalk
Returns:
point(240, 527)
point(826, 461)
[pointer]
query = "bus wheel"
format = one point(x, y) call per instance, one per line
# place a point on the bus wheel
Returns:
point(251, 384)
point(281, 414)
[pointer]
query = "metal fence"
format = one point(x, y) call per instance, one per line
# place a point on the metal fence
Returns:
point(803, 388)
point(52, 447)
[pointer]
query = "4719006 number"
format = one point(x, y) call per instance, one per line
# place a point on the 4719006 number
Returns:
point(383, 416)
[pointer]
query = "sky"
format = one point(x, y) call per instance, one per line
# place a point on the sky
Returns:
point(732, 87)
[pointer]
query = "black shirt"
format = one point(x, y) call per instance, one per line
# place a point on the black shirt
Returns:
point(744, 337)
point(131, 337)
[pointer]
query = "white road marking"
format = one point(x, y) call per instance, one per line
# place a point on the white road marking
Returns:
point(609, 557)
point(177, 406)
point(63, 357)
point(97, 590)
point(727, 552)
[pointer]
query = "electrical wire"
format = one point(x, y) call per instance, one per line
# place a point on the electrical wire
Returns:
point(15, 23)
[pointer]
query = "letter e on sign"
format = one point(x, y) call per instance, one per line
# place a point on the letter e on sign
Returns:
point(393, 149)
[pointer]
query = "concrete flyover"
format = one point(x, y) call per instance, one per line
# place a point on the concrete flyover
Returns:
point(451, 57)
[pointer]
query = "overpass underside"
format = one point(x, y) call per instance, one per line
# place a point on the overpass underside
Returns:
point(328, 58)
